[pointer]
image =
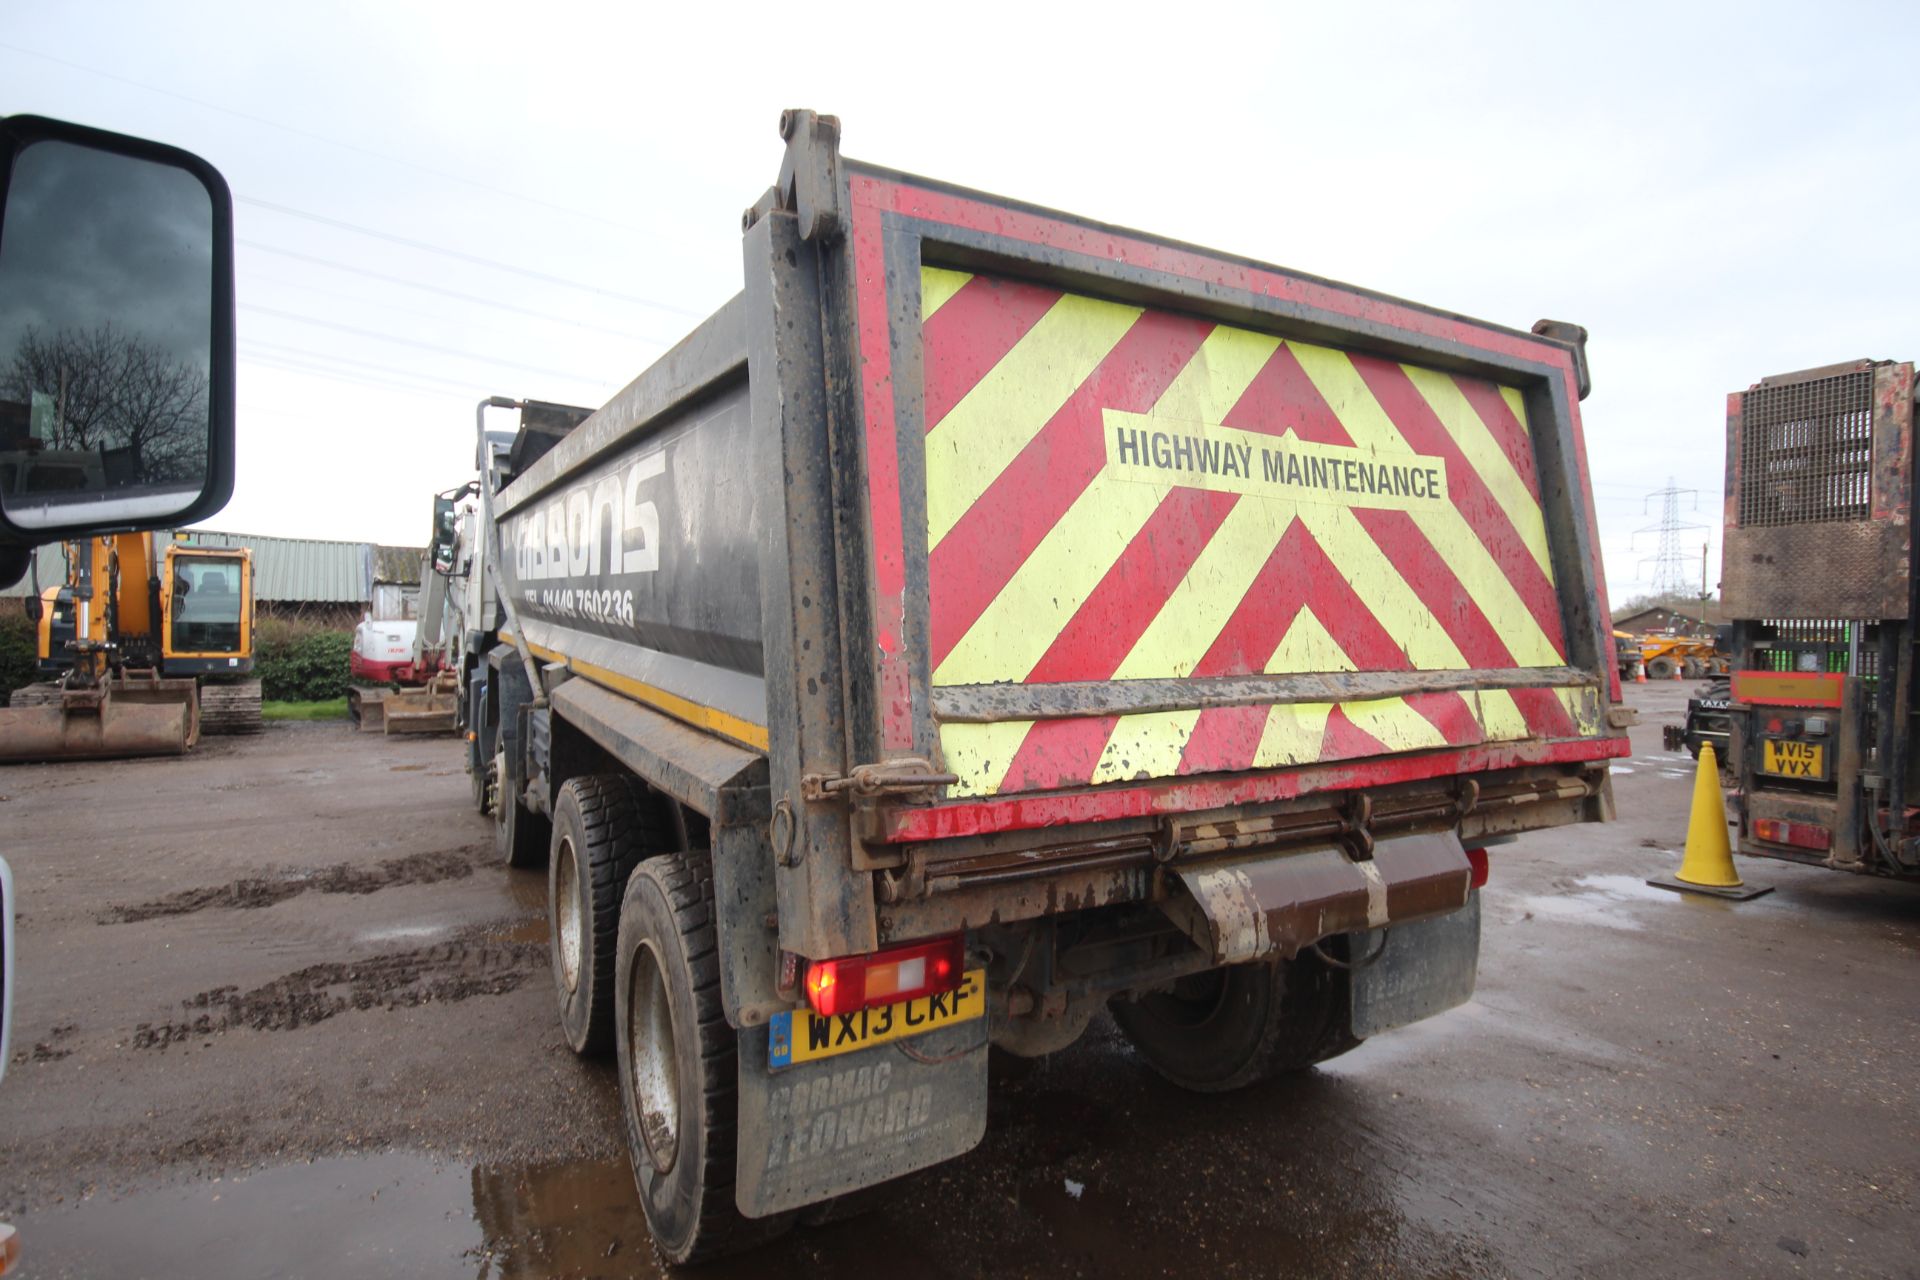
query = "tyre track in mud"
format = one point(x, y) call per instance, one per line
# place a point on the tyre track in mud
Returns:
point(254, 892)
point(446, 973)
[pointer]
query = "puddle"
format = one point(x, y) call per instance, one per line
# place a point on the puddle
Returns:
point(529, 890)
point(533, 931)
point(1597, 900)
point(407, 933)
point(399, 1214)
point(1627, 887)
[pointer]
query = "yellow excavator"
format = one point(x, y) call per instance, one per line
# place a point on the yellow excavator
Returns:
point(149, 644)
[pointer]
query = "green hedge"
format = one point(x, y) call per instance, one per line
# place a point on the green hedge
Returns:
point(295, 662)
point(301, 666)
point(18, 651)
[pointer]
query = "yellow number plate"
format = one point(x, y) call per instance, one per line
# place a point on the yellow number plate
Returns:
point(1793, 759)
point(802, 1035)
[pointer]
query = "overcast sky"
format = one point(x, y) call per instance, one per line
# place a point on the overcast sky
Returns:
point(441, 202)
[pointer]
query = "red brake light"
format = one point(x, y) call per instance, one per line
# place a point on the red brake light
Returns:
point(1477, 859)
point(1802, 835)
point(885, 977)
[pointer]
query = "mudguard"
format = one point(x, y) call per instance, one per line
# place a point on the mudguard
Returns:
point(820, 1129)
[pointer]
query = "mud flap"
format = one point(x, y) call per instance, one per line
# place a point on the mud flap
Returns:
point(1424, 968)
point(820, 1129)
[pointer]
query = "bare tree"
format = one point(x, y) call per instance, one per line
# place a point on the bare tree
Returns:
point(115, 391)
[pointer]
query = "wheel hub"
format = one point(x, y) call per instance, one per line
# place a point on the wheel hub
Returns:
point(651, 1050)
point(566, 910)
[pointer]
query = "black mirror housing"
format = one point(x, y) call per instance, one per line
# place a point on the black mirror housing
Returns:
point(59, 481)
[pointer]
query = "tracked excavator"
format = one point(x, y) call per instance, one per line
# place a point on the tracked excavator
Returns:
point(148, 646)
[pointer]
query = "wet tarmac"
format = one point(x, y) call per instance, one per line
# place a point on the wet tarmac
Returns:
point(281, 1016)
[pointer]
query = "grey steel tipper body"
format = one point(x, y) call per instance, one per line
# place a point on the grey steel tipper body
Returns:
point(991, 616)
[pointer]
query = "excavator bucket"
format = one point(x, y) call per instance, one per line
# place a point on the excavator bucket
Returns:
point(430, 709)
point(425, 710)
point(119, 719)
point(368, 708)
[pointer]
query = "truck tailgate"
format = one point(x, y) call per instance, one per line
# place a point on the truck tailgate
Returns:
point(1162, 515)
point(1131, 495)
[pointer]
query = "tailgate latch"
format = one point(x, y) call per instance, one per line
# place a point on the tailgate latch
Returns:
point(907, 777)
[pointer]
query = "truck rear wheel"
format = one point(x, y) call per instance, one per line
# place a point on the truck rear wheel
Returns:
point(678, 1087)
point(1662, 669)
point(1228, 1028)
point(602, 826)
point(520, 836)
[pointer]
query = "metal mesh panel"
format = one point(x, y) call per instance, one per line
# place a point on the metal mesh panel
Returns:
point(1806, 450)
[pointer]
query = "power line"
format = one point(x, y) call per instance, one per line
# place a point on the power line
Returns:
point(474, 298)
point(332, 375)
point(283, 351)
point(357, 300)
point(411, 342)
point(321, 137)
point(461, 256)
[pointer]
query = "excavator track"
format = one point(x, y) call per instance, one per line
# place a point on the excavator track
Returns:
point(230, 708)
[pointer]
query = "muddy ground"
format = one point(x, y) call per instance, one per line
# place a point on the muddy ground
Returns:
point(281, 1015)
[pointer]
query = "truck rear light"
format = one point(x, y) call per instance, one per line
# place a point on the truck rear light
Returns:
point(1477, 859)
point(885, 977)
point(1802, 835)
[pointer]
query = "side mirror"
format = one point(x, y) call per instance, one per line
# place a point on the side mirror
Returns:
point(446, 530)
point(116, 334)
point(6, 966)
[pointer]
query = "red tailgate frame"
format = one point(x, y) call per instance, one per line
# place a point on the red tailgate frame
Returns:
point(894, 222)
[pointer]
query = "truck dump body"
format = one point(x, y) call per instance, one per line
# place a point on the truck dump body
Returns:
point(638, 556)
point(1092, 540)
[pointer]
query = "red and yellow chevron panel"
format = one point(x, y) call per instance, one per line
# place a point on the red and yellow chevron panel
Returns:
point(1116, 493)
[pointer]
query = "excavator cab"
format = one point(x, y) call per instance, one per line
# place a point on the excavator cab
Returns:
point(206, 606)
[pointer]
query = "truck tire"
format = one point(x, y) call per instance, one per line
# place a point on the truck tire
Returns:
point(678, 1088)
point(1228, 1028)
point(602, 826)
point(477, 784)
point(1662, 669)
point(520, 836)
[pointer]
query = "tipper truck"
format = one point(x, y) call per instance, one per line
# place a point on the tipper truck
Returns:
point(1819, 577)
point(990, 617)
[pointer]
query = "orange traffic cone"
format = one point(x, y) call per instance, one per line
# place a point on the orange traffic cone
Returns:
point(1706, 866)
point(1640, 674)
